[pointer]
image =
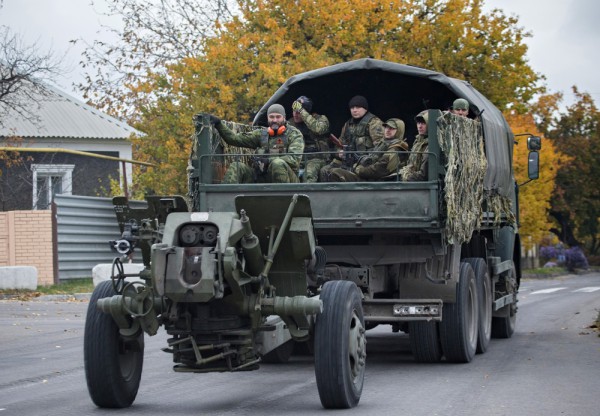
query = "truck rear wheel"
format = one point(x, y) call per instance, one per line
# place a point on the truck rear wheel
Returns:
point(484, 286)
point(340, 346)
point(458, 329)
point(113, 364)
point(425, 341)
point(504, 326)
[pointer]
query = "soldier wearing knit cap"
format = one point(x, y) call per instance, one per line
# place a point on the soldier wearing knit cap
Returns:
point(360, 134)
point(386, 158)
point(460, 107)
point(278, 147)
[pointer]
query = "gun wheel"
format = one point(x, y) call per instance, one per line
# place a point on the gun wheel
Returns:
point(340, 346)
point(113, 363)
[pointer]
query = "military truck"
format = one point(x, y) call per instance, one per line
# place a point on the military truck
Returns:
point(240, 273)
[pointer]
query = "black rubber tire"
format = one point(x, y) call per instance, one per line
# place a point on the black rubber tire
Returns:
point(113, 365)
point(503, 324)
point(458, 329)
point(425, 341)
point(280, 354)
point(340, 346)
point(484, 287)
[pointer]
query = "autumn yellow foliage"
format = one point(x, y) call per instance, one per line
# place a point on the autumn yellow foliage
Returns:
point(534, 197)
point(252, 54)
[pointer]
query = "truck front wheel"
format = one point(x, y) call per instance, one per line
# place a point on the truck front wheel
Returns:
point(113, 364)
point(459, 326)
point(340, 346)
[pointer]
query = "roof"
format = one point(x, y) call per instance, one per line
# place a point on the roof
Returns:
point(400, 91)
point(61, 116)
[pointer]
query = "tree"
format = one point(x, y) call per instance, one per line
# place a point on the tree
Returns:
point(253, 52)
point(575, 204)
point(535, 196)
point(24, 69)
point(154, 34)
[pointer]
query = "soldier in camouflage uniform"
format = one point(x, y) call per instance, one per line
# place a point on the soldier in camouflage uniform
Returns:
point(416, 168)
point(359, 135)
point(315, 130)
point(267, 165)
point(460, 107)
point(375, 166)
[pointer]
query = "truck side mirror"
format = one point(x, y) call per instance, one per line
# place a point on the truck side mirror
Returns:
point(534, 143)
point(533, 165)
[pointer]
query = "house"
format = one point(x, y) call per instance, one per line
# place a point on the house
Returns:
point(60, 122)
point(65, 147)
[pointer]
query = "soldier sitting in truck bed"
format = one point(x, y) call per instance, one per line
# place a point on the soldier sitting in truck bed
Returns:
point(315, 129)
point(416, 168)
point(267, 166)
point(377, 165)
point(359, 135)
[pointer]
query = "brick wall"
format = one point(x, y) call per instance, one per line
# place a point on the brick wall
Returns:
point(26, 240)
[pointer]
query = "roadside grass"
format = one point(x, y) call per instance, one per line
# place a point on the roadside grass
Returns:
point(68, 287)
point(545, 271)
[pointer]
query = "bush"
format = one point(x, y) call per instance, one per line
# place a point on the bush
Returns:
point(548, 252)
point(575, 259)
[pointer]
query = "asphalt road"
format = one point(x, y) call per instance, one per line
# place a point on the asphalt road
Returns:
point(551, 366)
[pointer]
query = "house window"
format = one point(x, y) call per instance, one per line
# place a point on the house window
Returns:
point(49, 180)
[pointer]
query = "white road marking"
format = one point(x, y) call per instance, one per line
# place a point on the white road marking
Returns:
point(555, 289)
point(588, 289)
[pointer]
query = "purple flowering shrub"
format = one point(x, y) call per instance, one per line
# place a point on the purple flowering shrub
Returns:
point(575, 259)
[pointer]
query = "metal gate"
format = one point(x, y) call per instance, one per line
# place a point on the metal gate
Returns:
point(84, 226)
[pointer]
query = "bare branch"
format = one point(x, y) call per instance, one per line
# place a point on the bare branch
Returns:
point(154, 34)
point(24, 70)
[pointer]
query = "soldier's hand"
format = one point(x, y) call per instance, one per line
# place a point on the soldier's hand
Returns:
point(213, 120)
point(297, 106)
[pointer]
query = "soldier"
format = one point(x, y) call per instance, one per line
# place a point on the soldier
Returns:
point(359, 135)
point(460, 107)
point(315, 130)
point(269, 142)
point(377, 165)
point(416, 167)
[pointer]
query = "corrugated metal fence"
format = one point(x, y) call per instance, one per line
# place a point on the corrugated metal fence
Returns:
point(84, 226)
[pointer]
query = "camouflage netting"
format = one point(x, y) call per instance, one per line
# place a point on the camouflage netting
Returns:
point(461, 141)
point(227, 153)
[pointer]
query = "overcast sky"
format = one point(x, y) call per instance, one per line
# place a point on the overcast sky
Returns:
point(564, 46)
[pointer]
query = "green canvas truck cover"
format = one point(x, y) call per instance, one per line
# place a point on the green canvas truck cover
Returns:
point(396, 90)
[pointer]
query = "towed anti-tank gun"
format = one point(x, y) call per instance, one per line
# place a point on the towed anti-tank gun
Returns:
point(209, 282)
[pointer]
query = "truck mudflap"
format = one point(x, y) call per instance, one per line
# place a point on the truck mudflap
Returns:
point(402, 310)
